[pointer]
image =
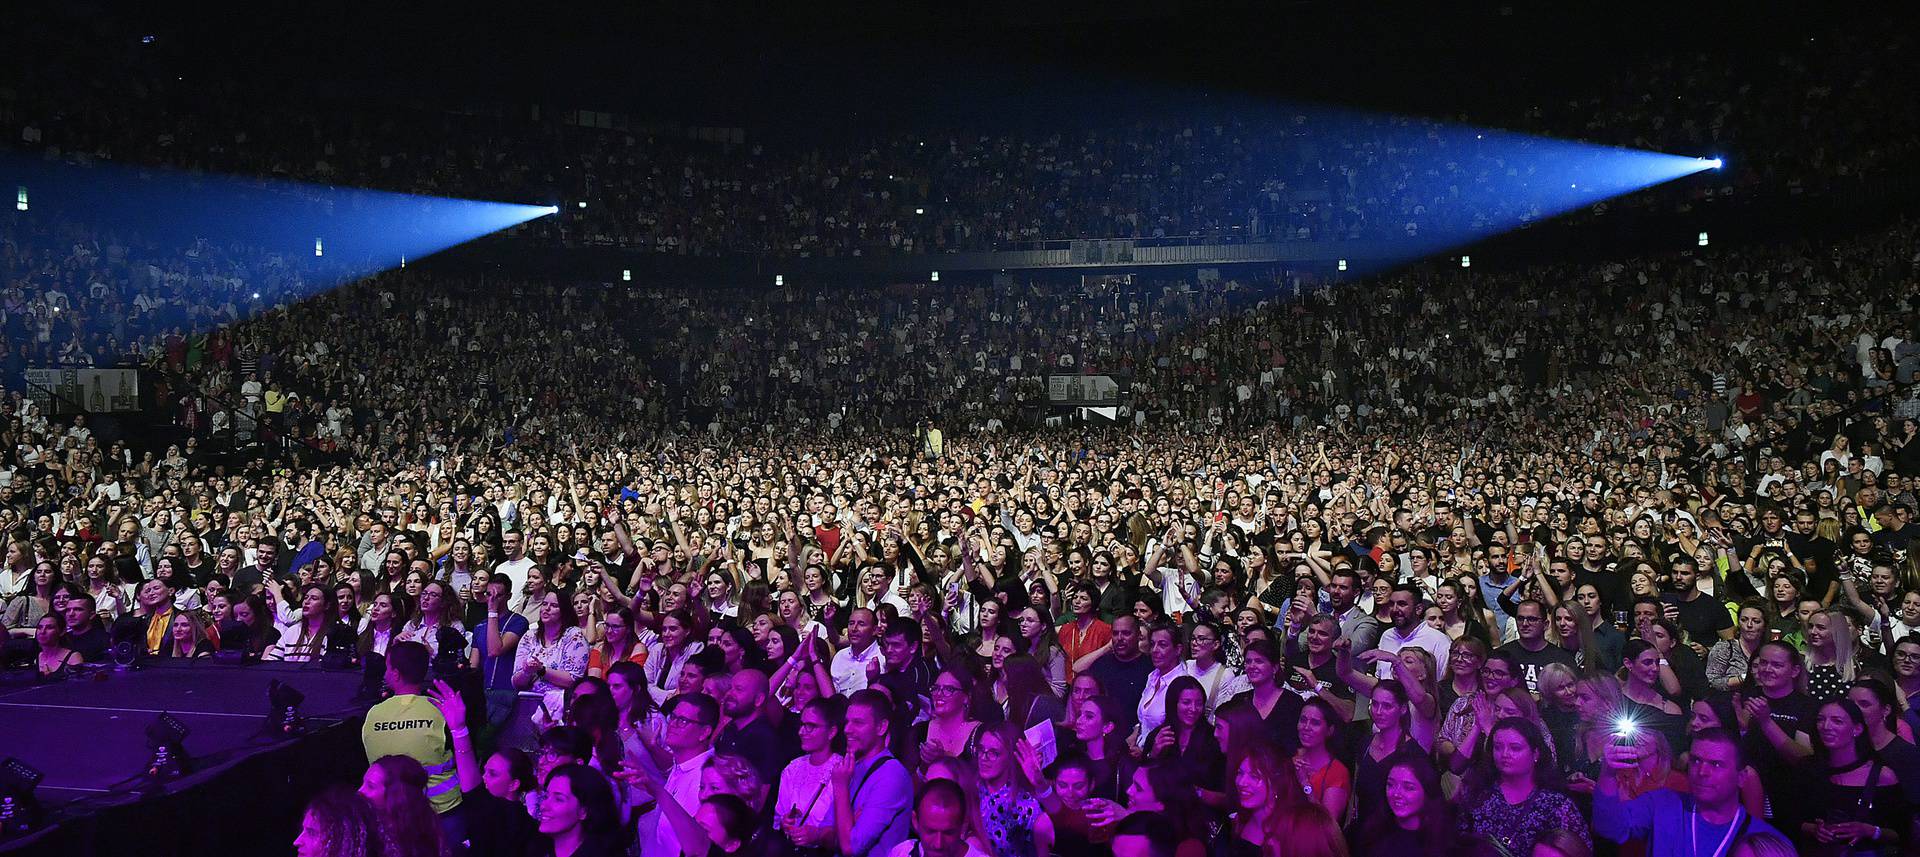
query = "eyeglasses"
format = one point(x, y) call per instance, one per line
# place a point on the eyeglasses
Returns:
point(809, 727)
point(945, 690)
point(687, 721)
point(1906, 656)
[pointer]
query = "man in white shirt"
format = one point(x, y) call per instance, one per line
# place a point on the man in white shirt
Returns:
point(515, 566)
point(692, 721)
point(860, 663)
point(1403, 610)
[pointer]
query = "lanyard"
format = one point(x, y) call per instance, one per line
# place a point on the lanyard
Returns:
point(1693, 834)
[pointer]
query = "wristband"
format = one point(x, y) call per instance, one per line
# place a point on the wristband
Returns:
point(457, 733)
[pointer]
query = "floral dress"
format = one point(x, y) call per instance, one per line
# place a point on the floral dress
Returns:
point(568, 655)
point(1008, 818)
point(1517, 826)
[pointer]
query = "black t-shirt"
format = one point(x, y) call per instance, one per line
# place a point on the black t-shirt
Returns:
point(1904, 758)
point(1702, 618)
point(1124, 681)
point(92, 644)
point(1794, 713)
point(495, 827)
point(758, 743)
point(1531, 663)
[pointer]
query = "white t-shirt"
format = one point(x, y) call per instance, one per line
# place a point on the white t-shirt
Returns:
point(515, 570)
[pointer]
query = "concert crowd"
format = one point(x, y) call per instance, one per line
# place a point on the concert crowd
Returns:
point(1570, 560)
point(1626, 564)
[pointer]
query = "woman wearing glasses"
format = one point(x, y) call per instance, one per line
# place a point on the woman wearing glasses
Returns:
point(803, 807)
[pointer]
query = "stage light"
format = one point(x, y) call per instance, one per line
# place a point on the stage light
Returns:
point(19, 810)
point(583, 203)
point(283, 709)
point(553, 209)
point(21, 204)
point(919, 211)
point(318, 248)
point(626, 275)
point(1466, 261)
point(256, 296)
point(779, 279)
point(167, 739)
point(146, 40)
point(403, 263)
point(934, 278)
point(1703, 239)
point(1715, 163)
point(1343, 264)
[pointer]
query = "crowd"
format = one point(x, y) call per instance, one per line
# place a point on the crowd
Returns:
point(1814, 118)
point(1628, 562)
point(1618, 564)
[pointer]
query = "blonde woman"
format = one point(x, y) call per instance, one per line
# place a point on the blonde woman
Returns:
point(1831, 639)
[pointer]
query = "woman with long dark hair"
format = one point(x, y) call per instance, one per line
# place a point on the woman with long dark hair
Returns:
point(306, 638)
point(578, 815)
point(387, 613)
point(439, 608)
point(1512, 795)
point(1186, 738)
point(1322, 776)
point(1856, 804)
point(1263, 784)
point(1024, 695)
point(553, 656)
point(396, 786)
point(1418, 818)
point(1035, 625)
point(1392, 722)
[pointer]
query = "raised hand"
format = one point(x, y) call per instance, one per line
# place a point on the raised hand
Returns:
point(453, 709)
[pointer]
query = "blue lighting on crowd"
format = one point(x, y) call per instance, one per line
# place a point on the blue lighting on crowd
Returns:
point(325, 235)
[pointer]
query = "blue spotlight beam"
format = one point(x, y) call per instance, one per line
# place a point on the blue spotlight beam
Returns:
point(362, 231)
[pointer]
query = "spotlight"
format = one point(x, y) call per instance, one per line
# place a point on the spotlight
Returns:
point(919, 211)
point(583, 203)
point(318, 248)
point(1466, 261)
point(146, 40)
point(779, 279)
point(283, 709)
point(167, 739)
point(626, 275)
point(1343, 264)
point(403, 263)
point(1713, 163)
point(19, 809)
point(1703, 239)
point(20, 203)
point(934, 277)
point(553, 209)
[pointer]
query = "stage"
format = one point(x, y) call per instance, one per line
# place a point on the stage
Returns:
point(243, 790)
